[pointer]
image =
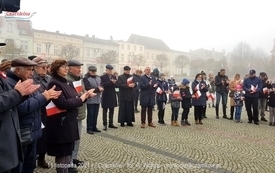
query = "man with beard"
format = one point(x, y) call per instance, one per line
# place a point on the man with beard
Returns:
point(126, 84)
point(252, 87)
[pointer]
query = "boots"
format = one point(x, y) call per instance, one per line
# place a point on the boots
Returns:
point(197, 122)
point(187, 123)
point(42, 163)
point(217, 111)
point(200, 122)
point(176, 123)
point(231, 112)
point(172, 123)
point(183, 123)
point(224, 112)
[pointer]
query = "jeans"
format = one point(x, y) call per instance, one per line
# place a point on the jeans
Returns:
point(224, 97)
point(76, 143)
point(262, 106)
point(92, 113)
point(175, 114)
point(238, 113)
point(252, 102)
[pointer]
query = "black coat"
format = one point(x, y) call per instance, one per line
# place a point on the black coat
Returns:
point(201, 101)
point(10, 145)
point(147, 91)
point(109, 99)
point(186, 101)
point(221, 88)
point(63, 127)
point(125, 93)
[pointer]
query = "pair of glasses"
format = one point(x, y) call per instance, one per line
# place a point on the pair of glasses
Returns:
point(65, 66)
point(44, 67)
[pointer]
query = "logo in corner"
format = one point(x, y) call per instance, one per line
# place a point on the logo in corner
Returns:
point(22, 15)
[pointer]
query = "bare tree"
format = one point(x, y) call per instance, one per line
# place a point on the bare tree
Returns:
point(162, 61)
point(261, 59)
point(110, 57)
point(181, 61)
point(69, 52)
point(11, 50)
point(138, 60)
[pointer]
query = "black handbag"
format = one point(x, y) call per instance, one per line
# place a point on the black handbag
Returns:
point(26, 136)
point(231, 94)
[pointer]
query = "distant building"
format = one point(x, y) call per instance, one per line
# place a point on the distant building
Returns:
point(273, 50)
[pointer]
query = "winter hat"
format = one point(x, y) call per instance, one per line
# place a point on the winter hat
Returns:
point(176, 88)
point(203, 73)
point(161, 74)
point(238, 87)
point(185, 81)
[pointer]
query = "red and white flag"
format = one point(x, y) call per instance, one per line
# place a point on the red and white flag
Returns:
point(176, 94)
point(3, 74)
point(78, 85)
point(253, 88)
point(52, 109)
point(197, 87)
point(265, 90)
point(130, 80)
point(197, 94)
point(159, 91)
point(210, 96)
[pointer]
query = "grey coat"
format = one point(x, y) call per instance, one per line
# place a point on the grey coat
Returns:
point(10, 145)
point(92, 82)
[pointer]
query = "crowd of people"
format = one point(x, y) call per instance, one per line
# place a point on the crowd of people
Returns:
point(42, 105)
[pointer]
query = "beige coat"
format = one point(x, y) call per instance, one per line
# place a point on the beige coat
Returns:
point(232, 88)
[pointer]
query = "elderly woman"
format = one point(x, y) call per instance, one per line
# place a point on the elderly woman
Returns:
point(5, 66)
point(232, 87)
point(62, 127)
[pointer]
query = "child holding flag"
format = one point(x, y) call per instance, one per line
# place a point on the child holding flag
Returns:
point(175, 105)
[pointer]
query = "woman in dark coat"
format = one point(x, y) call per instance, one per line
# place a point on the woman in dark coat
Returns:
point(199, 89)
point(62, 128)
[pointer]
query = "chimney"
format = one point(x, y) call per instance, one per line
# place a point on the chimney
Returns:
point(93, 36)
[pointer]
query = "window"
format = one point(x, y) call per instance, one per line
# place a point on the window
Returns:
point(129, 48)
point(24, 45)
point(23, 31)
point(56, 50)
point(147, 55)
point(135, 48)
point(9, 27)
point(152, 56)
point(88, 53)
point(122, 46)
point(38, 48)
point(141, 48)
point(122, 57)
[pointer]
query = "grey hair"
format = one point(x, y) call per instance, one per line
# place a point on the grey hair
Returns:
point(14, 68)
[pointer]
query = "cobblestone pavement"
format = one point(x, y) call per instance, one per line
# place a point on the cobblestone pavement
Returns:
point(219, 145)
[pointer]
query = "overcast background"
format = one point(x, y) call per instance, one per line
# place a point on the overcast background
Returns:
point(182, 25)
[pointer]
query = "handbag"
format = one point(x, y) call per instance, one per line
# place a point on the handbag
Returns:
point(26, 137)
point(231, 94)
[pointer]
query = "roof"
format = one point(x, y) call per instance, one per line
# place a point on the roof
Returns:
point(58, 33)
point(25, 25)
point(180, 52)
point(149, 43)
point(202, 53)
point(100, 41)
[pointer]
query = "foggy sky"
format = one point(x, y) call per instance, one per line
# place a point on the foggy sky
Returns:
point(182, 25)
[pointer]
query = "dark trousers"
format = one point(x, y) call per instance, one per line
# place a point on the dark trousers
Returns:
point(13, 170)
point(252, 102)
point(198, 112)
point(161, 111)
point(92, 114)
point(149, 110)
point(185, 113)
point(175, 114)
point(204, 111)
point(29, 164)
point(111, 116)
point(136, 97)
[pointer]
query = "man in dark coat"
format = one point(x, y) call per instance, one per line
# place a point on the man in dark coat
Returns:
point(262, 101)
point(136, 89)
point(109, 101)
point(29, 110)
point(126, 84)
point(10, 145)
point(40, 77)
point(147, 85)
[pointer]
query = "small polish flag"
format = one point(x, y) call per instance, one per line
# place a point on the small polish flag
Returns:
point(265, 90)
point(130, 80)
point(77, 85)
point(52, 109)
point(197, 94)
point(159, 90)
point(253, 88)
point(212, 95)
point(176, 94)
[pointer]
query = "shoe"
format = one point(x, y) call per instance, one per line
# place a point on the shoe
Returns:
point(200, 122)
point(172, 123)
point(130, 124)
point(152, 125)
point(105, 128)
point(187, 123)
point(257, 123)
point(263, 119)
point(112, 126)
point(176, 123)
point(249, 121)
point(142, 125)
point(96, 130)
point(205, 117)
point(78, 162)
point(72, 170)
point(182, 123)
point(122, 124)
point(197, 122)
point(225, 117)
point(231, 118)
point(163, 123)
point(213, 106)
point(270, 124)
point(90, 132)
point(217, 117)
point(43, 164)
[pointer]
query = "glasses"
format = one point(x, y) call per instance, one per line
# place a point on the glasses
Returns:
point(65, 66)
point(43, 67)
